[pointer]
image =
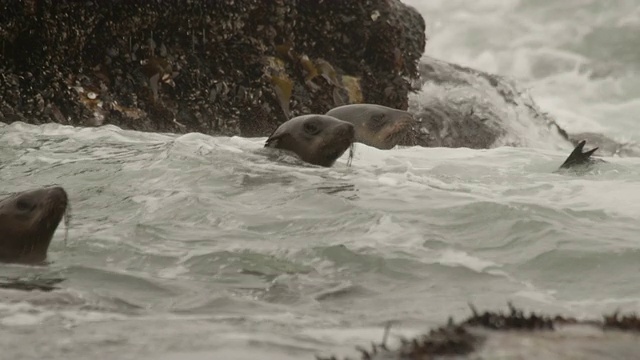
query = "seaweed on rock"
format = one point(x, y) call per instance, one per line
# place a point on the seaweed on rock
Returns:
point(466, 339)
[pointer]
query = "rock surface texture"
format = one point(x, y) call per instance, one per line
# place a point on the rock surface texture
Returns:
point(220, 67)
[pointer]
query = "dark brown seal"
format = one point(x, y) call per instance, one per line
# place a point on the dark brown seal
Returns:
point(27, 222)
point(376, 125)
point(316, 139)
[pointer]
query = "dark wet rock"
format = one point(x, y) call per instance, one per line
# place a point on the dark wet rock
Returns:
point(459, 106)
point(225, 67)
point(516, 335)
point(464, 107)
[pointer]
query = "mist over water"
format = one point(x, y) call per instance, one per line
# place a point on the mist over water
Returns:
point(197, 247)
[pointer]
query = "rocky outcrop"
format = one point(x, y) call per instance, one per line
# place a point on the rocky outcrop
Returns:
point(462, 107)
point(458, 106)
point(224, 67)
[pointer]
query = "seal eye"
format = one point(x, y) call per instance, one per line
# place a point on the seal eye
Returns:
point(24, 205)
point(377, 122)
point(311, 128)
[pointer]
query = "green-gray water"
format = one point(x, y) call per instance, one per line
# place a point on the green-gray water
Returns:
point(175, 240)
point(198, 247)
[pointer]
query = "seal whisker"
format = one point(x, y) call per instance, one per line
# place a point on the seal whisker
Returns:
point(67, 222)
point(385, 336)
point(351, 154)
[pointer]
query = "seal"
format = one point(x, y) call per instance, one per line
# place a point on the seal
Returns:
point(578, 158)
point(376, 125)
point(27, 222)
point(316, 139)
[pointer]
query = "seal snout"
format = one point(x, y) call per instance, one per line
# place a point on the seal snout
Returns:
point(399, 132)
point(56, 202)
point(346, 130)
point(58, 195)
point(343, 135)
point(402, 125)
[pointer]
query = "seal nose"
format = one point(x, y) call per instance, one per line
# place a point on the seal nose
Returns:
point(406, 121)
point(58, 195)
point(347, 130)
point(58, 192)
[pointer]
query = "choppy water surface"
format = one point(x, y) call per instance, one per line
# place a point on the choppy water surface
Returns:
point(198, 247)
point(179, 242)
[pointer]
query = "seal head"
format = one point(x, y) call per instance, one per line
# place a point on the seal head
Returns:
point(316, 139)
point(27, 222)
point(376, 125)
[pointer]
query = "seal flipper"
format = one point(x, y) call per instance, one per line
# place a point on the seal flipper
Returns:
point(577, 157)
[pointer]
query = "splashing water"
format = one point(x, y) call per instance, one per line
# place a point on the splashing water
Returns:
point(197, 247)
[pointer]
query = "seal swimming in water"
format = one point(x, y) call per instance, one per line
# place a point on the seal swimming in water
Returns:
point(316, 139)
point(27, 222)
point(376, 125)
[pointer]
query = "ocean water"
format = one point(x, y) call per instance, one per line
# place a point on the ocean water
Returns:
point(199, 247)
point(579, 59)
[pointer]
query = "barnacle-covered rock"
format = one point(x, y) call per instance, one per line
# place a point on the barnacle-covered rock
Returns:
point(226, 67)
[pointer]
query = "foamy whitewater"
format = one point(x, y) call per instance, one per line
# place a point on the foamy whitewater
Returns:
point(199, 247)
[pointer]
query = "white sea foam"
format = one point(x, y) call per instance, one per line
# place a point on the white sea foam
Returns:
point(572, 54)
point(192, 245)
